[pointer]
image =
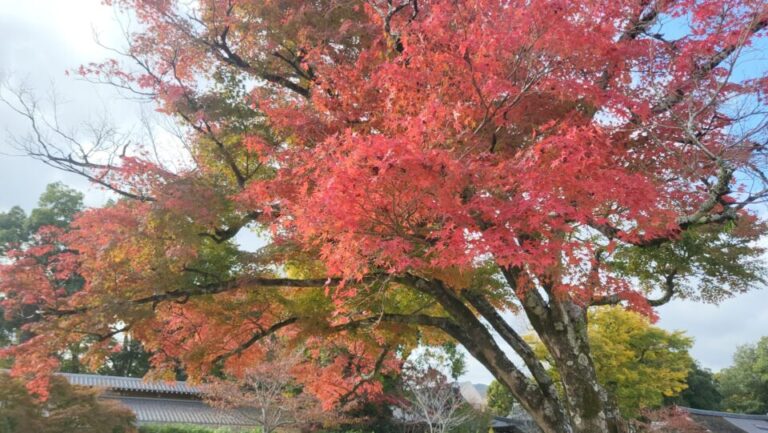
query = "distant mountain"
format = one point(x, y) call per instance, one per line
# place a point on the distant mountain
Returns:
point(474, 394)
point(482, 389)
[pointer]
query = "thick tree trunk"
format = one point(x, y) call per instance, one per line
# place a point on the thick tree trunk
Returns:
point(589, 406)
point(585, 406)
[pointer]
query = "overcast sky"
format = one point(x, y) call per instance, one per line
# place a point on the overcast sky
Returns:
point(41, 39)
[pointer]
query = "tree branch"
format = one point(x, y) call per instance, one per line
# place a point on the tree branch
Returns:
point(511, 337)
point(701, 70)
point(255, 338)
point(615, 299)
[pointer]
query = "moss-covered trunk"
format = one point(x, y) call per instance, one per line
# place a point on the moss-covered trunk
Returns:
point(589, 407)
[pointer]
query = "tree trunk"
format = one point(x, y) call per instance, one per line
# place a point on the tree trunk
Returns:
point(591, 409)
point(585, 406)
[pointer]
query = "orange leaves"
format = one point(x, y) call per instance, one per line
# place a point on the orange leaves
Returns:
point(346, 371)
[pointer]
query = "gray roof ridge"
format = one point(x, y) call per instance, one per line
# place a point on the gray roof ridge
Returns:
point(146, 397)
point(704, 412)
point(131, 383)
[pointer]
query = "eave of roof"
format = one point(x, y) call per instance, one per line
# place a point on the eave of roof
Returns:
point(727, 422)
point(724, 414)
point(131, 384)
point(173, 411)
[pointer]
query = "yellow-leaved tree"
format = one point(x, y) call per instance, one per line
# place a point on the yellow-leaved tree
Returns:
point(640, 363)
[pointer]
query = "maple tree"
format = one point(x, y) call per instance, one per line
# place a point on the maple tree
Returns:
point(57, 207)
point(669, 420)
point(268, 395)
point(419, 169)
point(68, 409)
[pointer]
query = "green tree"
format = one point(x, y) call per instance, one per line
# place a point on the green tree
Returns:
point(500, 400)
point(18, 410)
point(641, 363)
point(445, 358)
point(57, 206)
point(12, 228)
point(130, 361)
point(702, 391)
point(744, 385)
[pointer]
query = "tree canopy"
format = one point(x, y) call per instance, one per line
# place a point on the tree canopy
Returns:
point(69, 409)
point(56, 208)
point(640, 363)
point(418, 169)
point(744, 385)
point(500, 400)
point(702, 390)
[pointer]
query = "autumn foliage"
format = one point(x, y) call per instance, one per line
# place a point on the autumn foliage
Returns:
point(417, 168)
point(267, 395)
point(68, 409)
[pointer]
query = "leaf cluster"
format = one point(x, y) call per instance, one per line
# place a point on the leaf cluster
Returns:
point(67, 409)
point(744, 385)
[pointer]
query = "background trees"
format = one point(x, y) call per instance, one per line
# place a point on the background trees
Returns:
point(269, 395)
point(500, 400)
point(431, 399)
point(640, 363)
point(744, 385)
point(702, 390)
point(419, 170)
point(56, 209)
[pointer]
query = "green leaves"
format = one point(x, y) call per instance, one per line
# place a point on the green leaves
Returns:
point(500, 400)
point(57, 207)
point(67, 409)
point(639, 363)
point(744, 385)
point(13, 228)
point(710, 263)
point(702, 391)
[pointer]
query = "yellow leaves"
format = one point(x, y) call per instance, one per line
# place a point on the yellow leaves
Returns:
point(455, 277)
point(636, 361)
point(309, 303)
point(640, 362)
point(304, 267)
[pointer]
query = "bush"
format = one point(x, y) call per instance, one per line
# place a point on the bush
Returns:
point(67, 409)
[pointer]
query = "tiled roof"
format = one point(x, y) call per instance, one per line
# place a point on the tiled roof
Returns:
point(513, 425)
point(130, 384)
point(725, 414)
point(729, 422)
point(172, 411)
